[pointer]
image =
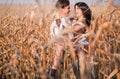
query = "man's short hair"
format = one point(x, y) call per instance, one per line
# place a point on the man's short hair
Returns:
point(62, 3)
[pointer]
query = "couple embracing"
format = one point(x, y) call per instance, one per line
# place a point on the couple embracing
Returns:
point(80, 25)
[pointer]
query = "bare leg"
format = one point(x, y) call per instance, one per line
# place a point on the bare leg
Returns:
point(57, 58)
point(56, 63)
point(82, 64)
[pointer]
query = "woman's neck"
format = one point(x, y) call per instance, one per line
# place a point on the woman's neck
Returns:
point(81, 18)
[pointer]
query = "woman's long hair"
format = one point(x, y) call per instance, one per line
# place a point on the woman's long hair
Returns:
point(85, 10)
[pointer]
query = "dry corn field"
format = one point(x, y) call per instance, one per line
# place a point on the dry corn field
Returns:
point(26, 50)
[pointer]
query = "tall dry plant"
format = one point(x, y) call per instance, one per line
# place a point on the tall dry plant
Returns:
point(26, 52)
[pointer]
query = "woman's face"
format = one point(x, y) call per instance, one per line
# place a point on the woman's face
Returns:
point(78, 12)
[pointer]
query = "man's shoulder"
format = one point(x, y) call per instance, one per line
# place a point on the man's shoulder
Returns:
point(60, 21)
point(57, 21)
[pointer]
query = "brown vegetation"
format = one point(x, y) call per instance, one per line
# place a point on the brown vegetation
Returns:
point(26, 52)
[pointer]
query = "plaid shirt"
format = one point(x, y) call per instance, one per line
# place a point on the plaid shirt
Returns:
point(57, 26)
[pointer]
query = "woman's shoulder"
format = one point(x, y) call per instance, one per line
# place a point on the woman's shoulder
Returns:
point(78, 24)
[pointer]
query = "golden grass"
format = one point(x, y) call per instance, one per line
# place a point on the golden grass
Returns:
point(25, 51)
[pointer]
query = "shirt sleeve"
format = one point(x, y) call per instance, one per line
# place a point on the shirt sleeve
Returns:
point(71, 35)
point(52, 34)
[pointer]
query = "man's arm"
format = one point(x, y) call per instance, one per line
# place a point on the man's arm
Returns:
point(52, 29)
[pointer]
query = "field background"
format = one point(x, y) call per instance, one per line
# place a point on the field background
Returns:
point(26, 51)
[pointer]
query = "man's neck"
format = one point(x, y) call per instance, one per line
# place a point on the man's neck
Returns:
point(62, 15)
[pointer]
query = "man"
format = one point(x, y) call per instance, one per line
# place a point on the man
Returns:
point(63, 8)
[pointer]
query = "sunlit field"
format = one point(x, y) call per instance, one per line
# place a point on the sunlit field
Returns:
point(27, 52)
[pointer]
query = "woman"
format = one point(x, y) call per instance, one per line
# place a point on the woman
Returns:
point(83, 14)
point(80, 27)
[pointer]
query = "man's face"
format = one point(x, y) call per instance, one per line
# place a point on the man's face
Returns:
point(65, 11)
